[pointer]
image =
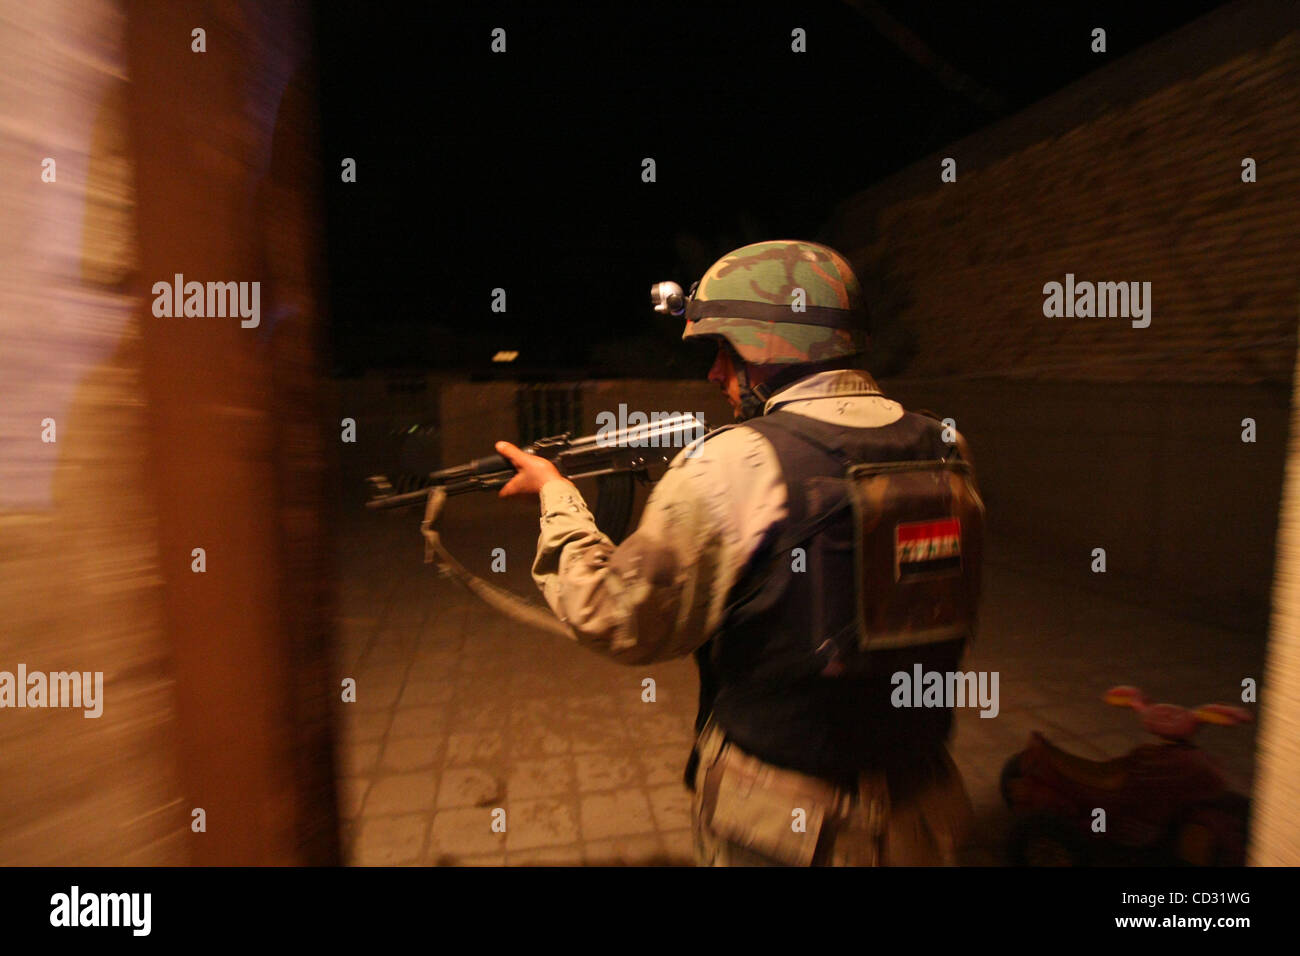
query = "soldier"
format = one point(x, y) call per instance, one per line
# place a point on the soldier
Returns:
point(800, 610)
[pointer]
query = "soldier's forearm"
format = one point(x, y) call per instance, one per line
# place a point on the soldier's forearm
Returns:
point(625, 603)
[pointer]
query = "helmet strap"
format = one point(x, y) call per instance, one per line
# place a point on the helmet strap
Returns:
point(755, 396)
point(752, 397)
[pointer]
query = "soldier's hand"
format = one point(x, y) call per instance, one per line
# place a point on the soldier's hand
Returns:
point(532, 471)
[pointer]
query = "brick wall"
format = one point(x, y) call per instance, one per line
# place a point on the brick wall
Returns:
point(1148, 189)
point(1092, 433)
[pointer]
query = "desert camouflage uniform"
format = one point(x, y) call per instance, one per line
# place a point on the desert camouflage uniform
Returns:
point(663, 592)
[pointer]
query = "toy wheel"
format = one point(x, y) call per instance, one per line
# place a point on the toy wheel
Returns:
point(1010, 772)
point(1214, 833)
point(1043, 840)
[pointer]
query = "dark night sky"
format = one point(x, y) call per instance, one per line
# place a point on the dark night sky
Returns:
point(523, 170)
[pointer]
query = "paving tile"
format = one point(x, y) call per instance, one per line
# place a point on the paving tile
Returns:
point(485, 687)
point(659, 728)
point(603, 733)
point(384, 656)
point(464, 748)
point(548, 821)
point(530, 712)
point(671, 806)
point(434, 660)
point(476, 715)
point(401, 793)
point(386, 675)
point(356, 629)
point(538, 685)
point(370, 697)
point(663, 765)
point(389, 840)
point(1019, 690)
point(538, 741)
point(351, 793)
point(357, 759)
point(679, 847)
point(431, 672)
point(463, 832)
point(406, 615)
point(996, 737)
point(426, 693)
point(398, 636)
point(670, 691)
point(410, 753)
point(605, 771)
point(469, 787)
point(418, 722)
point(541, 778)
point(625, 851)
point(349, 658)
point(547, 856)
point(481, 691)
point(479, 662)
point(364, 726)
point(590, 706)
point(615, 813)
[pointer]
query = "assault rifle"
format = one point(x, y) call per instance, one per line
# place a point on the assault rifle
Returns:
point(617, 458)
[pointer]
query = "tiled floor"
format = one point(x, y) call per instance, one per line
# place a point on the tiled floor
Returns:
point(475, 741)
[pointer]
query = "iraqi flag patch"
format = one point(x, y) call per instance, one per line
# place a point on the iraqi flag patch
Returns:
point(927, 548)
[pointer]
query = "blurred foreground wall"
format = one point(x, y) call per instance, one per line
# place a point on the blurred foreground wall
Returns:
point(1275, 828)
point(1088, 432)
point(80, 583)
point(128, 440)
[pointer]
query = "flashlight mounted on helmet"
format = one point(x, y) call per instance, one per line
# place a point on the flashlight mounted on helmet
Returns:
point(668, 298)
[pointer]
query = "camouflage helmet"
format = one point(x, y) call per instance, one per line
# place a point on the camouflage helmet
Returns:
point(748, 298)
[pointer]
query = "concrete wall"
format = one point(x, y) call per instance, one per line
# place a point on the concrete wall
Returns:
point(384, 409)
point(471, 416)
point(1155, 475)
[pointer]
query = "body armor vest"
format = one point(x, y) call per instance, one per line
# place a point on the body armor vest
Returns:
point(801, 672)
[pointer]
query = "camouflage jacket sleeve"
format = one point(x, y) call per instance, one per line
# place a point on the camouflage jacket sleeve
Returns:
point(661, 593)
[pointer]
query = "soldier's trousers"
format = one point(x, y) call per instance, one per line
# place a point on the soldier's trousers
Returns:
point(750, 813)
